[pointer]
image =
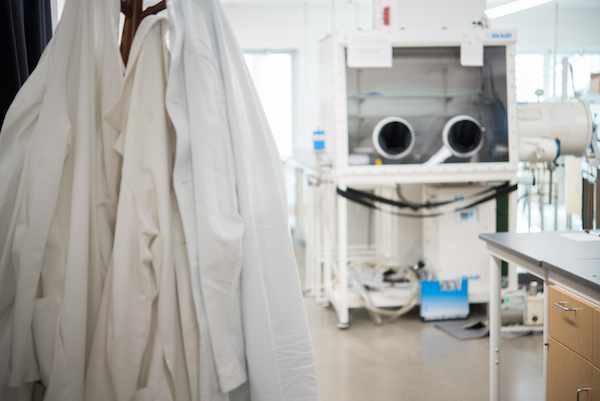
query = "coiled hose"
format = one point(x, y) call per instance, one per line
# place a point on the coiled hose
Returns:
point(365, 299)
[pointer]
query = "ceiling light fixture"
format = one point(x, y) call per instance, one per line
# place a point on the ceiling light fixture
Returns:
point(513, 7)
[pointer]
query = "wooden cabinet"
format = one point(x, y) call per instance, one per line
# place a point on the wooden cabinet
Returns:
point(595, 384)
point(573, 347)
point(567, 372)
point(596, 338)
point(570, 321)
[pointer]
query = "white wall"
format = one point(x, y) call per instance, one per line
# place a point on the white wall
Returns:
point(434, 14)
point(578, 29)
point(297, 28)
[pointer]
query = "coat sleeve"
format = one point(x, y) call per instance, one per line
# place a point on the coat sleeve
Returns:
point(219, 225)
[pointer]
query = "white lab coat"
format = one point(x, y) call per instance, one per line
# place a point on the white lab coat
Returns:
point(59, 187)
point(146, 345)
point(229, 185)
point(245, 334)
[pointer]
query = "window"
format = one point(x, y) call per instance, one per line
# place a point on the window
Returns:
point(532, 74)
point(272, 76)
point(529, 76)
point(581, 68)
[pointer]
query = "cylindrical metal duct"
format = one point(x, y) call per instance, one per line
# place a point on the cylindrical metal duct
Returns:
point(570, 122)
point(463, 136)
point(538, 149)
point(393, 138)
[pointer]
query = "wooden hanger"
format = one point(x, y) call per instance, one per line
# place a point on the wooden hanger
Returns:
point(134, 14)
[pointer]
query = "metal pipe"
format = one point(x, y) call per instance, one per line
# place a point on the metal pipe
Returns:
point(325, 239)
point(342, 310)
point(550, 186)
point(556, 207)
point(541, 188)
point(495, 279)
point(299, 199)
point(513, 276)
point(555, 49)
point(545, 336)
point(565, 77)
point(529, 196)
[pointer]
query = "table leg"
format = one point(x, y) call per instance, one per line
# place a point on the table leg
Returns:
point(495, 321)
point(343, 315)
point(545, 332)
point(513, 277)
point(325, 236)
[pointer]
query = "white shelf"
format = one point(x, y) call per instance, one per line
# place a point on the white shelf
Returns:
point(402, 97)
point(379, 300)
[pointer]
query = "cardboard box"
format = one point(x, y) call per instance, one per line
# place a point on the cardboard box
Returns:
point(595, 83)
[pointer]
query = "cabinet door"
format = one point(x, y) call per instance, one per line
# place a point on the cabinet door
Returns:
point(572, 327)
point(595, 384)
point(596, 338)
point(567, 372)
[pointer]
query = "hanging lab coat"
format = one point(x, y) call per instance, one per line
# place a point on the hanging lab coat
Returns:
point(209, 208)
point(146, 345)
point(229, 185)
point(59, 178)
point(60, 199)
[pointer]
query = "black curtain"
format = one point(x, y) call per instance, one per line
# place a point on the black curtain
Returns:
point(25, 29)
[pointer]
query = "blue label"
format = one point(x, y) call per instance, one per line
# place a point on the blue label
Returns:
point(319, 140)
point(466, 215)
point(507, 35)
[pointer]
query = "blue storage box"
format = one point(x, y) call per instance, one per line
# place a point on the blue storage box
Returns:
point(444, 300)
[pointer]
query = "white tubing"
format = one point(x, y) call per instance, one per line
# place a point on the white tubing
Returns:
point(365, 300)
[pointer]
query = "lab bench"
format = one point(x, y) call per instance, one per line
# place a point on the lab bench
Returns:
point(569, 264)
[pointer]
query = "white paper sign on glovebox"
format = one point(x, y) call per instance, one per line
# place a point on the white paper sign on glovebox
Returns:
point(471, 50)
point(369, 50)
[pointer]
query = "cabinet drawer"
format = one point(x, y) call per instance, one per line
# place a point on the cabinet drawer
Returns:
point(573, 327)
point(567, 372)
point(596, 338)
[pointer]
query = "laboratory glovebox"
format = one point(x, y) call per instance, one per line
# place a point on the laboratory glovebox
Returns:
point(425, 114)
point(451, 246)
point(427, 121)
